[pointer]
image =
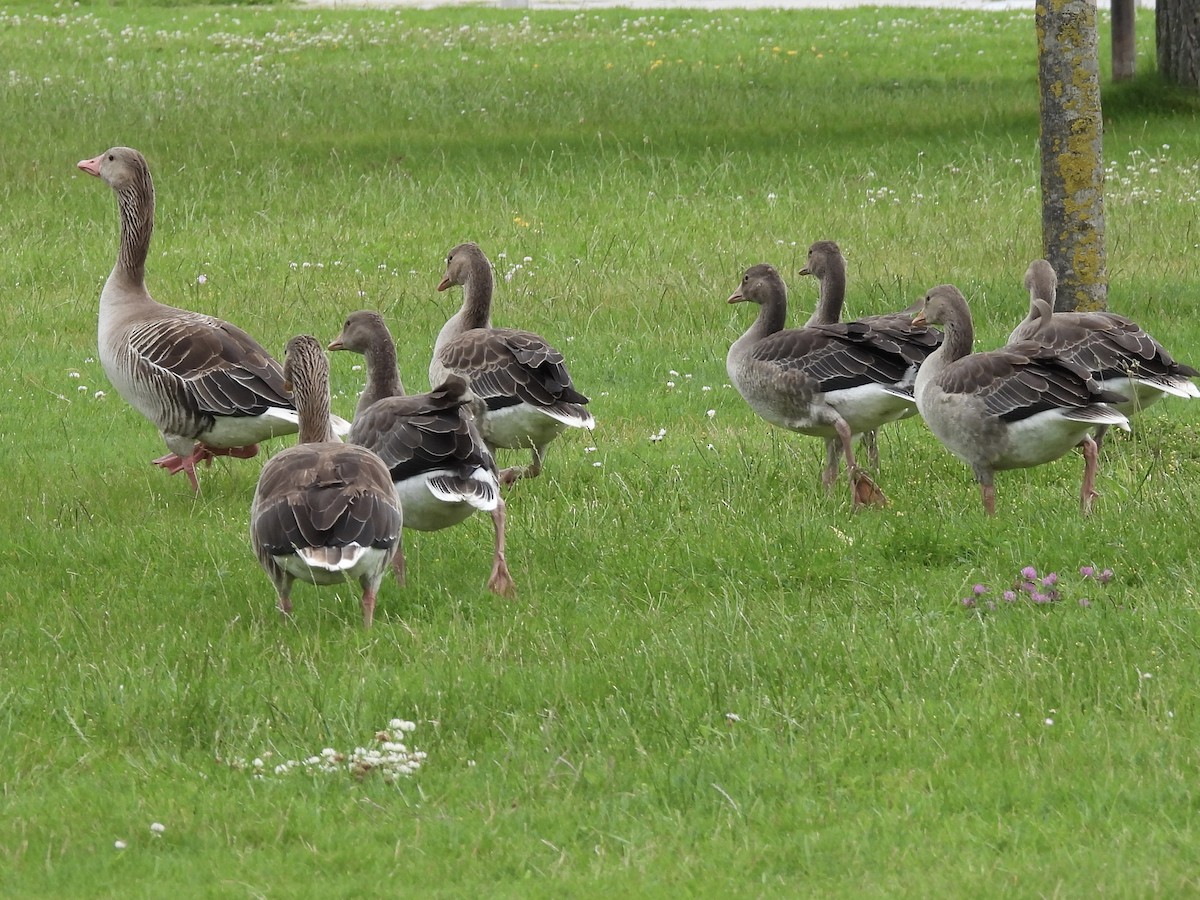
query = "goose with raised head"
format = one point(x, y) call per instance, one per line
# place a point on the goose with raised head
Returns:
point(1117, 351)
point(323, 512)
point(209, 388)
point(827, 264)
point(439, 464)
point(1013, 408)
point(528, 396)
point(830, 381)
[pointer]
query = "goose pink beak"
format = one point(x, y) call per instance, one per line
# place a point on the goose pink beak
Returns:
point(91, 166)
point(444, 284)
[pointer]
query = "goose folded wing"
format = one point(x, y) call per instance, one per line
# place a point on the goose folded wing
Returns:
point(835, 357)
point(412, 444)
point(219, 367)
point(316, 500)
point(508, 366)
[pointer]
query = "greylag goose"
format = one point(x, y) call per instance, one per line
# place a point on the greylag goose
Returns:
point(831, 381)
point(1118, 353)
point(441, 468)
point(209, 388)
point(522, 380)
point(827, 264)
point(324, 511)
point(1012, 408)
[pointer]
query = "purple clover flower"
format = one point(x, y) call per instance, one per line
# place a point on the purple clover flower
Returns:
point(979, 590)
point(1029, 573)
point(1050, 580)
point(1087, 571)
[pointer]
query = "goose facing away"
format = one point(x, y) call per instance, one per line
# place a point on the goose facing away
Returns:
point(324, 512)
point(1012, 408)
point(1118, 352)
point(440, 466)
point(831, 381)
point(827, 264)
point(523, 382)
point(209, 388)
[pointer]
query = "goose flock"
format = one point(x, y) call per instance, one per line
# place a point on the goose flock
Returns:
point(325, 511)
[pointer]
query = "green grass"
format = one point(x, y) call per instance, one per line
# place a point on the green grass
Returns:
point(884, 740)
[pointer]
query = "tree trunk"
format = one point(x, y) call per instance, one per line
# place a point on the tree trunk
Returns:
point(1072, 151)
point(1177, 34)
point(1124, 50)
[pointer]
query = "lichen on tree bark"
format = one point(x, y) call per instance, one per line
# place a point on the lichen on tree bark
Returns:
point(1072, 154)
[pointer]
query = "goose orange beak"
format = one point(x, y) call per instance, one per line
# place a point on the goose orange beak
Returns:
point(91, 166)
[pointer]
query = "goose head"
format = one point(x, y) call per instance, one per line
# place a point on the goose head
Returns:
point(760, 284)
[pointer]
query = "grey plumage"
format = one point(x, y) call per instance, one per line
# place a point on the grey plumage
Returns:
point(208, 387)
point(440, 465)
point(828, 265)
point(323, 511)
point(1117, 351)
point(1016, 407)
point(528, 396)
point(831, 381)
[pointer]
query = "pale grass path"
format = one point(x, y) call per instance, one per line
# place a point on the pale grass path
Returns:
point(710, 5)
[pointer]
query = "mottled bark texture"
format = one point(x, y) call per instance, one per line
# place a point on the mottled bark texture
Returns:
point(1177, 33)
point(1072, 151)
point(1124, 51)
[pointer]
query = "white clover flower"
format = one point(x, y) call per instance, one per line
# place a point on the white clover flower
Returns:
point(732, 717)
point(82, 388)
point(1049, 721)
point(356, 368)
point(158, 827)
point(711, 413)
point(72, 374)
point(670, 384)
point(99, 395)
point(120, 845)
point(597, 464)
point(257, 763)
point(201, 278)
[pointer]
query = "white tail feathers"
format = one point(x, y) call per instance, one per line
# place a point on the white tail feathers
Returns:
point(332, 559)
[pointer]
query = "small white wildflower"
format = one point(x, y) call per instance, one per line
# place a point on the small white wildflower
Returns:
point(201, 278)
point(597, 464)
point(589, 449)
point(99, 395)
point(158, 827)
point(120, 845)
point(706, 388)
point(732, 717)
point(673, 372)
point(356, 368)
point(82, 388)
point(1049, 721)
point(72, 374)
point(711, 413)
point(670, 384)
point(258, 763)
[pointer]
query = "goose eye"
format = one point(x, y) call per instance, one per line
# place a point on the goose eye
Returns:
point(111, 157)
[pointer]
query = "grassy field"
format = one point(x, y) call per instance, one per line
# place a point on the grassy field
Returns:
point(714, 680)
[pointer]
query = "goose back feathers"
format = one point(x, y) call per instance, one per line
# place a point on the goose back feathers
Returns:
point(323, 511)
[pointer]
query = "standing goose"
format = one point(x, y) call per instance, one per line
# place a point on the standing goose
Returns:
point(441, 468)
point(1012, 408)
point(1118, 353)
point(827, 264)
point(831, 381)
point(521, 379)
point(209, 388)
point(324, 511)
